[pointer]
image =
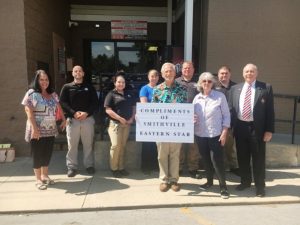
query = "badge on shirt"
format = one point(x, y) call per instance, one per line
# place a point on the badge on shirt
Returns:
point(86, 89)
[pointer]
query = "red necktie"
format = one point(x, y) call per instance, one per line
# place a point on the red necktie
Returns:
point(247, 105)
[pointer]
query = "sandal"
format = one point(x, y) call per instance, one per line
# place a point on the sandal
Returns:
point(41, 186)
point(48, 181)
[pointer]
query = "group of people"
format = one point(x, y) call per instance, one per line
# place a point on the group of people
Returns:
point(224, 112)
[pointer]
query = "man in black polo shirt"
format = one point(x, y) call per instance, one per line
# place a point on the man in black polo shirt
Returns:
point(79, 101)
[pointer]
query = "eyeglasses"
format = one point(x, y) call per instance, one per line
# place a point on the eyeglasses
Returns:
point(207, 81)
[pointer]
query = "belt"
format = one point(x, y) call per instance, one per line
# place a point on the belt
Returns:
point(246, 122)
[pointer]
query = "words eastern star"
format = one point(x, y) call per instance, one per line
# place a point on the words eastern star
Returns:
point(164, 124)
point(161, 133)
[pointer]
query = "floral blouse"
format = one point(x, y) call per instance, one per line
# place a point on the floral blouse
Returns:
point(44, 113)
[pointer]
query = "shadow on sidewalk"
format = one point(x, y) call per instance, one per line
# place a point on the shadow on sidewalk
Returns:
point(86, 186)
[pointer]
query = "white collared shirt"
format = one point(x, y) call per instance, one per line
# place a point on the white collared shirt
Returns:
point(242, 98)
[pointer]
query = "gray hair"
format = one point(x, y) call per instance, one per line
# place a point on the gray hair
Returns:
point(166, 65)
point(205, 76)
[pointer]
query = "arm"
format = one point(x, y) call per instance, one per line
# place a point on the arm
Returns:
point(225, 119)
point(65, 101)
point(270, 115)
point(63, 122)
point(114, 115)
point(130, 121)
point(143, 99)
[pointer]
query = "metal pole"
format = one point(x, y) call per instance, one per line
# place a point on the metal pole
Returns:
point(188, 30)
point(294, 119)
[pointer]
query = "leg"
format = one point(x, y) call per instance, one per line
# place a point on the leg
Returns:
point(243, 152)
point(205, 153)
point(163, 161)
point(48, 143)
point(217, 157)
point(258, 161)
point(125, 129)
point(87, 138)
point(37, 154)
point(174, 162)
point(115, 139)
point(73, 136)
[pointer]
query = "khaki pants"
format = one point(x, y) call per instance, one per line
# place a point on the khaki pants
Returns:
point(168, 161)
point(230, 152)
point(76, 130)
point(189, 153)
point(118, 134)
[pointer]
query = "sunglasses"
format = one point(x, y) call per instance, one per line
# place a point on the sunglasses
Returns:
point(206, 81)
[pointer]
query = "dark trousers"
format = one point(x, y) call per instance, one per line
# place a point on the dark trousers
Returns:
point(41, 151)
point(149, 156)
point(250, 147)
point(213, 158)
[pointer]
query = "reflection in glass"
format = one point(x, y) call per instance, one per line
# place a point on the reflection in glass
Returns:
point(103, 58)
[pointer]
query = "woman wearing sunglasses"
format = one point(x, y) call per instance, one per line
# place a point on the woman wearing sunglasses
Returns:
point(212, 120)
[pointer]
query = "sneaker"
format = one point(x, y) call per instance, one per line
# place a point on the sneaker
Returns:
point(175, 186)
point(116, 173)
point(164, 187)
point(124, 172)
point(224, 194)
point(71, 173)
point(90, 170)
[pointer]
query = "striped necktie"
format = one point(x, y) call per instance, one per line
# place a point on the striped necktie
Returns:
point(247, 105)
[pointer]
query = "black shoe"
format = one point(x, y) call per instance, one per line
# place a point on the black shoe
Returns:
point(195, 174)
point(224, 194)
point(90, 170)
point(116, 173)
point(206, 185)
point(260, 192)
point(71, 173)
point(124, 172)
point(242, 187)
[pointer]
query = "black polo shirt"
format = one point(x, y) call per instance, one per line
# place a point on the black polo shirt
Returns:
point(120, 104)
point(79, 97)
point(190, 87)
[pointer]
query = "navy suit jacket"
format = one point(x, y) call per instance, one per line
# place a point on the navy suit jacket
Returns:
point(263, 110)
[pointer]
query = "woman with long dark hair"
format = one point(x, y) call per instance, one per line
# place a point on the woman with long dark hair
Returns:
point(41, 106)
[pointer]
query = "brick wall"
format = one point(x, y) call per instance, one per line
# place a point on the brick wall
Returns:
point(42, 18)
point(13, 77)
point(265, 33)
point(28, 27)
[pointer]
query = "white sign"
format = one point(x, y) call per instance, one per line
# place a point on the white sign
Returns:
point(128, 29)
point(165, 122)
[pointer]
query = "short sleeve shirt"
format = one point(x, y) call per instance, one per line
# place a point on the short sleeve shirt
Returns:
point(146, 91)
point(190, 87)
point(174, 94)
point(122, 104)
point(44, 113)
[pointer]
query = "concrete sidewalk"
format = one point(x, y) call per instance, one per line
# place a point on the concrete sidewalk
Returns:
point(18, 193)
